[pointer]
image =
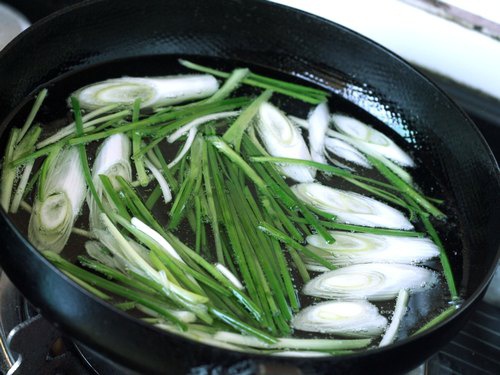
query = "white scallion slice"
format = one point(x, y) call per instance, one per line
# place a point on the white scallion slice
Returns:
point(372, 139)
point(98, 252)
point(58, 203)
point(346, 152)
point(291, 343)
point(199, 121)
point(182, 315)
point(318, 124)
point(112, 160)
point(153, 92)
point(165, 189)
point(300, 122)
point(135, 261)
point(230, 276)
point(361, 146)
point(144, 228)
point(372, 281)
point(185, 148)
point(350, 207)
point(300, 353)
point(71, 128)
point(21, 186)
point(282, 139)
point(344, 318)
point(356, 248)
point(399, 312)
point(123, 250)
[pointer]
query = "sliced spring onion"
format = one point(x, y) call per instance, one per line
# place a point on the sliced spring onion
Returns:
point(318, 120)
point(355, 248)
point(187, 145)
point(58, 203)
point(36, 107)
point(162, 182)
point(350, 207)
point(372, 139)
point(16, 148)
point(232, 82)
point(300, 122)
point(300, 353)
point(71, 128)
point(21, 186)
point(153, 92)
point(112, 157)
point(230, 276)
point(400, 171)
point(98, 252)
point(234, 133)
point(144, 228)
point(282, 139)
point(346, 151)
point(121, 247)
point(199, 121)
point(136, 262)
point(304, 93)
point(112, 160)
point(118, 251)
point(78, 231)
point(182, 315)
point(373, 281)
point(21, 142)
point(290, 343)
point(8, 173)
point(399, 312)
point(344, 318)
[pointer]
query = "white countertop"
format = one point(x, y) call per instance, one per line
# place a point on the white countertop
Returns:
point(11, 24)
point(440, 45)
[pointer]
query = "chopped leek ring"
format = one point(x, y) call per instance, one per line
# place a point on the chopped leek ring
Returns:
point(355, 248)
point(112, 160)
point(199, 121)
point(230, 276)
point(162, 182)
point(153, 92)
point(282, 139)
point(399, 311)
point(344, 318)
point(373, 281)
point(164, 244)
point(58, 203)
point(318, 121)
point(372, 139)
point(185, 148)
point(351, 208)
point(346, 152)
point(300, 353)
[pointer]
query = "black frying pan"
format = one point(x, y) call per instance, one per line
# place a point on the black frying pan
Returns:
point(287, 41)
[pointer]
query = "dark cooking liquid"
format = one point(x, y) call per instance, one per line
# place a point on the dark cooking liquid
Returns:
point(422, 306)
